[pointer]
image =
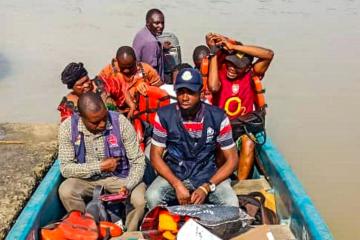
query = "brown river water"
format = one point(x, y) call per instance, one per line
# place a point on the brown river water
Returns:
point(312, 84)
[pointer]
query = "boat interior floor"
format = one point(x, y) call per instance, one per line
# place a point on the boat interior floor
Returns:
point(279, 232)
point(251, 185)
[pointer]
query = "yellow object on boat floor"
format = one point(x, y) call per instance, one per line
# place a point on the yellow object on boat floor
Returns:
point(269, 200)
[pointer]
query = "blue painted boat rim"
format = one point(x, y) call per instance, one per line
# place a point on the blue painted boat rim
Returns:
point(28, 217)
point(317, 227)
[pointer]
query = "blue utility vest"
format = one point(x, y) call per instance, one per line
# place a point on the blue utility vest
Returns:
point(113, 143)
point(186, 159)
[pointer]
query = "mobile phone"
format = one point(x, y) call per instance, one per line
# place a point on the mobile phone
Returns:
point(113, 197)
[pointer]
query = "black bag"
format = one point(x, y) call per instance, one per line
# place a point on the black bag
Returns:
point(104, 211)
point(253, 205)
point(223, 221)
point(250, 123)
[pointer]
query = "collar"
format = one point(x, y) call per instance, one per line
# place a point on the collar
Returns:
point(199, 115)
point(115, 66)
point(147, 31)
point(116, 70)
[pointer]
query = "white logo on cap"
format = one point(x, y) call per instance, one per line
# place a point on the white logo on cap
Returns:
point(186, 76)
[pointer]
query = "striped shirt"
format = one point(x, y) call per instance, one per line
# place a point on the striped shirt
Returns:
point(195, 128)
point(95, 152)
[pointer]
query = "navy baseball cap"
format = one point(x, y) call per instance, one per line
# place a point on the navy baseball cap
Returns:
point(240, 60)
point(189, 78)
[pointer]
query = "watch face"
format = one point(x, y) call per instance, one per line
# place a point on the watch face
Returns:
point(212, 187)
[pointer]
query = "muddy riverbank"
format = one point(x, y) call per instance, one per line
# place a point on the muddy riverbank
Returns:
point(26, 152)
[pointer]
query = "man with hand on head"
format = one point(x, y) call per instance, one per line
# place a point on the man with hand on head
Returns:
point(232, 76)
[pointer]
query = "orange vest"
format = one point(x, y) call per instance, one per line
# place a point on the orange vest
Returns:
point(204, 70)
point(147, 107)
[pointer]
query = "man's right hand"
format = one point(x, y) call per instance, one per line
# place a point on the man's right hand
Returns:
point(210, 39)
point(182, 194)
point(142, 88)
point(109, 164)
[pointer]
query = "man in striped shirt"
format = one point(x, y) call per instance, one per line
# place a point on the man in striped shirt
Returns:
point(191, 131)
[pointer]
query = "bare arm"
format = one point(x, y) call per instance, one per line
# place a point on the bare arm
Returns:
point(264, 57)
point(213, 80)
point(231, 162)
point(161, 167)
point(130, 103)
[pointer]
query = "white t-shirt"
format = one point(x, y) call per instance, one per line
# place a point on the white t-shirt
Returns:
point(169, 88)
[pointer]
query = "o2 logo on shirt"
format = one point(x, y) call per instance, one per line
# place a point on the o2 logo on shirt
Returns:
point(209, 134)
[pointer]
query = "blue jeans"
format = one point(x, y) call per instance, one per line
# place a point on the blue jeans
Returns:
point(160, 192)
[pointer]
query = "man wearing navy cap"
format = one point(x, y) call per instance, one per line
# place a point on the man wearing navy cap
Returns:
point(190, 130)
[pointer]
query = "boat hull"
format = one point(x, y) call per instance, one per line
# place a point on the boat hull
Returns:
point(294, 206)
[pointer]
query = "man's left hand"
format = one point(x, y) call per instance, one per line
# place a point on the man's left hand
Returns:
point(198, 196)
point(142, 88)
point(167, 45)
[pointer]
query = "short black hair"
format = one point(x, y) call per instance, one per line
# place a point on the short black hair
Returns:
point(152, 12)
point(178, 68)
point(90, 102)
point(181, 66)
point(201, 50)
point(125, 50)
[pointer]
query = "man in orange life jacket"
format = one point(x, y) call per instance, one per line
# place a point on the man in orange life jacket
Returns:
point(125, 77)
point(230, 80)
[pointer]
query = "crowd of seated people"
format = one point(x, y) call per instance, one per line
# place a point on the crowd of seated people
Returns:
point(98, 144)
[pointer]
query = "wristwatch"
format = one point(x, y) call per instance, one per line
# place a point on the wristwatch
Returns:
point(212, 186)
point(213, 50)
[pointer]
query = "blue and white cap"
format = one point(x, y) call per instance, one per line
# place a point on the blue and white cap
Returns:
point(189, 78)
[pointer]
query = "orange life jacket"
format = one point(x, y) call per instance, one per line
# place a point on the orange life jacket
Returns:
point(149, 104)
point(139, 133)
point(107, 229)
point(259, 90)
point(147, 107)
point(204, 70)
point(74, 226)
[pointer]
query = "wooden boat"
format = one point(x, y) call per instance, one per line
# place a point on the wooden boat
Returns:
point(293, 205)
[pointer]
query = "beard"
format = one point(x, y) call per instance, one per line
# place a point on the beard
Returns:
point(190, 113)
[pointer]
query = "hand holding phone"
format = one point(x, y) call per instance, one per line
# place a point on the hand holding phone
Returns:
point(114, 197)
